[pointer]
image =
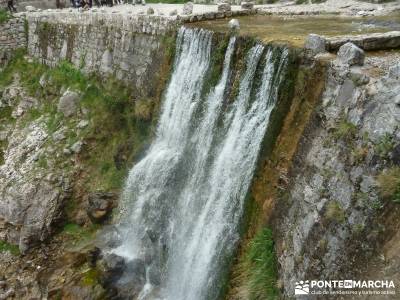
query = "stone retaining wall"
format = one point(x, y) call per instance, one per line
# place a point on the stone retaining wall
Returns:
point(216, 15)
point(127, 46)
point(12, 36)
point(368, 42)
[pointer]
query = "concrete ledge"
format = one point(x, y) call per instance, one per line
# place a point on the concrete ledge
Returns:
point(367, 42)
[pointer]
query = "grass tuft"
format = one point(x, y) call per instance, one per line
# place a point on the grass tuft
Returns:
point(261, 266)
point(345, 130)
point(13, 249)
point(389, 184)
point(335, 212)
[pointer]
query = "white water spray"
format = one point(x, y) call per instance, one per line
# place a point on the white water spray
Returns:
point(182, 203)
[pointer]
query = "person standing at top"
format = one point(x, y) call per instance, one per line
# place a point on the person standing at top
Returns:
point(10, 6)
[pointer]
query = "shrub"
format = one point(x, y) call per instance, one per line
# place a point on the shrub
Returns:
point(385, 145)
point(345, 130)
point(144, 109)
point(78, 233)
point(261, 265)
point(335, 212)
point(389, 184)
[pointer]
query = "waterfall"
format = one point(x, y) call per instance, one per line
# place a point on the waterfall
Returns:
point(182, 203)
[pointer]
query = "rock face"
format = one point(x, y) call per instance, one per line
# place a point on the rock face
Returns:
point(101, 205)
point(332, 200)
point(234, 24)
point(350, 54)
point(315, 43)
point(394, 71)
point(68, 103)
point(187, 8)
point(30, 201)
point(31, 197)
point(123, 279)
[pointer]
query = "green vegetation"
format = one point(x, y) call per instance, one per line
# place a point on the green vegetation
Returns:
point(345, 130)
point(335, 212)
point(385, 145)
point(144, 109)
point(90, 277)
point(389, 184)
point(261, 266)
point(78, 233)
point(4, 16)
point(13, 249)
point(120, 123)
point(359, 154)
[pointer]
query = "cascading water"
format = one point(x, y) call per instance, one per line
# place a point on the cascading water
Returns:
point(182, 203)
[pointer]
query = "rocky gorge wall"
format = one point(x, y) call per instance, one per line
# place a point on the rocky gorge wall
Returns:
point(332, 218)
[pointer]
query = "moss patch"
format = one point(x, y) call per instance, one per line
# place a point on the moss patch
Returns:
point(4, 16)
point(261, 264)
point(7, 247)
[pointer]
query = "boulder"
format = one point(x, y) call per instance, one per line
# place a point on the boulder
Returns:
point(223, 7)
point(82, 124)
point(247, 5)
point(350, 54)
point(234, 24)
point(112, 267)
point(173, 12)
point(77, 147)
point(315, 43)
point(30, 8)
point(100, 206)
point(150, 11)
point(187, 8)
point(68, 103)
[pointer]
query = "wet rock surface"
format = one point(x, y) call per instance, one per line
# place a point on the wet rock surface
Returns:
point(101, 205)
